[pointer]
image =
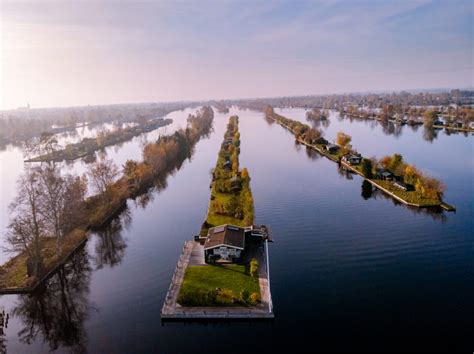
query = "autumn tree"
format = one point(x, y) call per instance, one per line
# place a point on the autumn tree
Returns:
point(396, 164)
point(312, 135)
point(343, 140)
point(429, 118)
point(102, 174)
point(73, 214)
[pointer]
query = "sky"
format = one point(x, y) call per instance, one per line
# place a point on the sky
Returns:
point(65, 53)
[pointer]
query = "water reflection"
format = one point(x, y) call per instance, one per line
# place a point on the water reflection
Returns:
point(366, 190)
point(430, 134)
point(58, 310)
point(344, 172)
point(110, 245)
point(312, 154)
point(390, 128)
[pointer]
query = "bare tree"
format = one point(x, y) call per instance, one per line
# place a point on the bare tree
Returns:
point(47, 145)
point(52, 187)
point(28, 226)
point(62, 200)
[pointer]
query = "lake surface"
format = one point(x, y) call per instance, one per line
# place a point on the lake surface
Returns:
point(349, 268)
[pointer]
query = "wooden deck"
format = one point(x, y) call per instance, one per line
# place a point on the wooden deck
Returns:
point(171, 310)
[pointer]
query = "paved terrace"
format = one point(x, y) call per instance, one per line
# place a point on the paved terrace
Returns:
point(193, 254)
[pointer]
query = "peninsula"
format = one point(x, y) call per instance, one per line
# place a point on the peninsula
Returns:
point(224, 272)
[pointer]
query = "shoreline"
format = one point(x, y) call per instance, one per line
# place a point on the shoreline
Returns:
point(15, 267)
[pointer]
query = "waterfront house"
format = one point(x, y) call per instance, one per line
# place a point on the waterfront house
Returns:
point(224, 243)
point(438, 122)
point(352, 159)
point(385, 175)
point(332, 148)
point(320, 141)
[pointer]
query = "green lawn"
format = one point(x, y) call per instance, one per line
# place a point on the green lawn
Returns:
point(409, 196)
point(200, 281)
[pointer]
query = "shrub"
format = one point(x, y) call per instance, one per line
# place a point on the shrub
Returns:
point(225, 296)
point(254, 298)
point(254, 268)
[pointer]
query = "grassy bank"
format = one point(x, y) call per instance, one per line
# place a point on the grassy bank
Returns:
point(13, 274)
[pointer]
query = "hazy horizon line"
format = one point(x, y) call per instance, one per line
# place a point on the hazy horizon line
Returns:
point(377, 92)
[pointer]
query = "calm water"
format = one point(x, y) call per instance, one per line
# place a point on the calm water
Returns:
point(349, 269)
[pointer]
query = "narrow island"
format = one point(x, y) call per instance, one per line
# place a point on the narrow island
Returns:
point(43, 242)
point(399, 180)
point(88, 146)
point(224, 272)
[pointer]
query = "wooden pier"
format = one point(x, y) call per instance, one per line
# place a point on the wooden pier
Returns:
point(173, 311)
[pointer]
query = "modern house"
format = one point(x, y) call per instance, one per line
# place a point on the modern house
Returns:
point(224, 243)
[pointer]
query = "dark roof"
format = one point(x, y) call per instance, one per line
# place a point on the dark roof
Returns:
point(228, 235)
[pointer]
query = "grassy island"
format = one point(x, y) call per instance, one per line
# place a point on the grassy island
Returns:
point(160, 158)
point(231, 203)
point(390, 174)
point(231, 198)
point(88, 146)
